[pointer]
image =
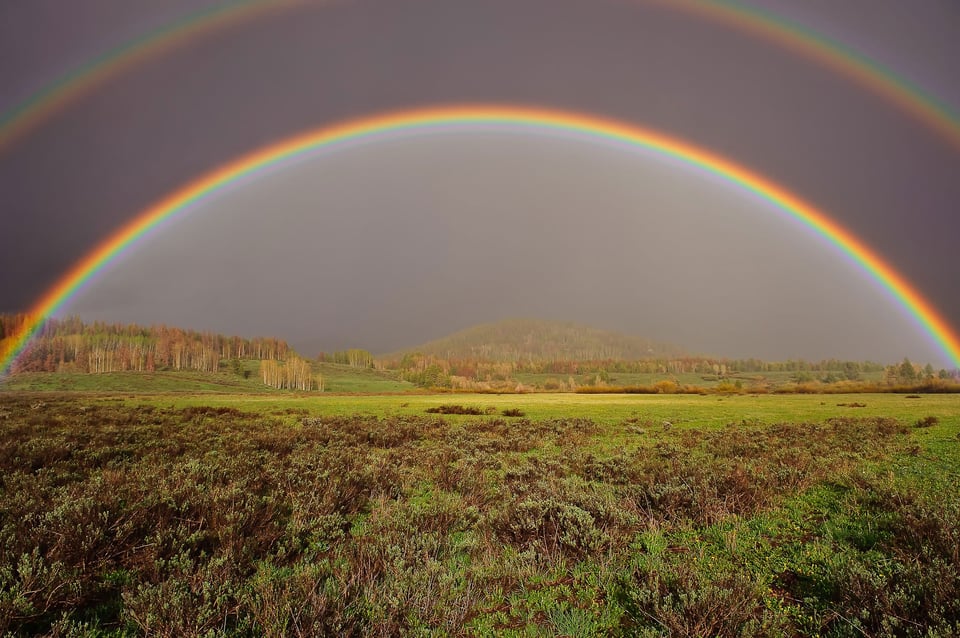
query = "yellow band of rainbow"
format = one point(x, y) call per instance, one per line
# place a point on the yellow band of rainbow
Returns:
point(528, 119)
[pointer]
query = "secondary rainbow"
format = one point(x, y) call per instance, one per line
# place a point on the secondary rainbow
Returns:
point(29, 114)
point(792, 36)
point(841, 59)
point(471, 117)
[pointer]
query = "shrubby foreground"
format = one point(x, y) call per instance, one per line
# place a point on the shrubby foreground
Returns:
point(133, 519)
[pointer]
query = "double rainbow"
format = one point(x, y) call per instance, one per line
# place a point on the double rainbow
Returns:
point(524, 119)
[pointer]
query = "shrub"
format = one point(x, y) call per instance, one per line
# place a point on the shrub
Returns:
point(552, 526)
point(666, 386)
point(455, 409)
point(683, 597)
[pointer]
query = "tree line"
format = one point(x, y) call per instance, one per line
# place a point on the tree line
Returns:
point(428, 370)
point(71, 345)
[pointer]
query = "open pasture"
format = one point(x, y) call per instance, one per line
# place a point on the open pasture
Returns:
point(280, 514)
point(689, 410)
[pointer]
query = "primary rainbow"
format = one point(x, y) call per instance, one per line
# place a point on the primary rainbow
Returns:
point(524, 119)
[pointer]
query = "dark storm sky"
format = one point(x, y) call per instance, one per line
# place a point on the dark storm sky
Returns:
point(399, 242)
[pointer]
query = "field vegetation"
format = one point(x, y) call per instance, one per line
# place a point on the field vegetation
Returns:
point(237, 378)
point(281, 514)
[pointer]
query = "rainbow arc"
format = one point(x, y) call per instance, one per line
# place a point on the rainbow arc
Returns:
point(467, 117)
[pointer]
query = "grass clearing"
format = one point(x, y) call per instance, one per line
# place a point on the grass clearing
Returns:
point(242, 378)
point(690, 410)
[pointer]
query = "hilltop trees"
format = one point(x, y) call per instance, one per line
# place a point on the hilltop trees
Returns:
point(537, 340)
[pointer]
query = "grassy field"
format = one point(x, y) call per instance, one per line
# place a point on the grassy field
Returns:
point(210, 512)
point(341, 378)
point(688, 410)
point(244, 380)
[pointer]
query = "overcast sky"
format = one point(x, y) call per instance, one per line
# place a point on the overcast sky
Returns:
point(404, 240)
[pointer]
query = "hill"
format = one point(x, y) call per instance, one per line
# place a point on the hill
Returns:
point(540, 340)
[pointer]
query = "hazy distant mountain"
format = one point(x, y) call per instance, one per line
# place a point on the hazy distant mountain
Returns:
point(532, 339)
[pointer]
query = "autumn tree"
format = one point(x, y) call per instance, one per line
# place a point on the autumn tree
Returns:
point(906, 371)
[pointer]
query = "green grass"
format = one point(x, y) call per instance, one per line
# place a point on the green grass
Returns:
point(342, 378)
point(337, 378)
point(687, 410)
point(135, 382)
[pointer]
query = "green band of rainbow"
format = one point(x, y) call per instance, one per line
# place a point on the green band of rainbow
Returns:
point(522, 118)
point(777, 30)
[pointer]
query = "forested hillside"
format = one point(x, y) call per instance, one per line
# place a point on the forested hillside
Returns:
point(516, 340)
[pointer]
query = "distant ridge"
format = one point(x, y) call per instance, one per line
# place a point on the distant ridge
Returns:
point(541, 340)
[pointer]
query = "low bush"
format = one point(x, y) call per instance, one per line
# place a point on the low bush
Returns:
point(455, 409)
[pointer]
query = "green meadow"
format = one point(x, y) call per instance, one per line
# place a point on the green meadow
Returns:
point(244, 379)
point(709, 411)
point(204, 505)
